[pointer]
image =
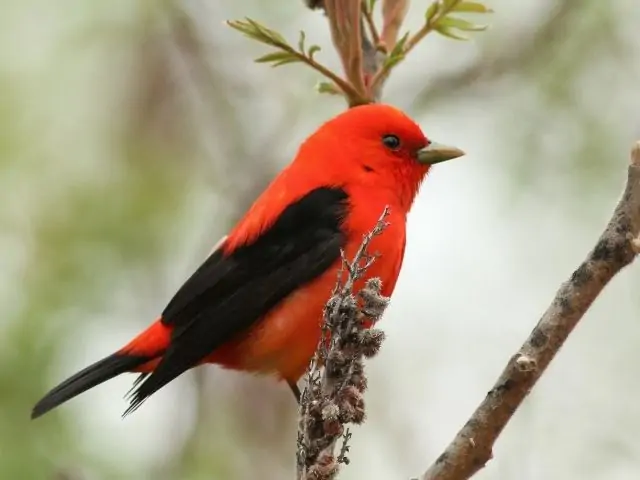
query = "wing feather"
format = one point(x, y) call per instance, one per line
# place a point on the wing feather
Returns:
point(232, 290)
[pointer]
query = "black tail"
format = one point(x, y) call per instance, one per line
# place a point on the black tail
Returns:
point(93, 375)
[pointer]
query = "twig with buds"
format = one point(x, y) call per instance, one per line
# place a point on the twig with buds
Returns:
point(368, 54)
point(335, 379)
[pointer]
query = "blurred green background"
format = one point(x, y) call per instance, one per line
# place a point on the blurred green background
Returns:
point(133, 134)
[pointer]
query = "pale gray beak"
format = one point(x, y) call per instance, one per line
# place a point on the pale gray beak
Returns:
point(436, 153)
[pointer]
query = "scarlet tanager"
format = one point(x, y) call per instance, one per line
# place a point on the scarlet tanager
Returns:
point(256, 302)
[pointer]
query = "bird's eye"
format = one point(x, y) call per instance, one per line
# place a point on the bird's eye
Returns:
point(391, 141)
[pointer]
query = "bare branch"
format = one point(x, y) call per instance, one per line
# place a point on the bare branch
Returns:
point(617, 247)
point(344, 20)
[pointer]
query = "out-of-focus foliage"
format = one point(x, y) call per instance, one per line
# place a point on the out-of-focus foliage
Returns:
point(132, 135)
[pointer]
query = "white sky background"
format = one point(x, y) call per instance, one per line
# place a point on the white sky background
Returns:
point(481, 265)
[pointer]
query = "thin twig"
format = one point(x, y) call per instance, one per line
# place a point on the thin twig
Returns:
point(393, 14)
point(354, 95)
point(617, 247)
point(428, 27)
point(350, 92)
point(368, 59)
point(371, 25)
point(255, 30)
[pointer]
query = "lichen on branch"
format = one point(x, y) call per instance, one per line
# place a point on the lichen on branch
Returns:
point(335, 379)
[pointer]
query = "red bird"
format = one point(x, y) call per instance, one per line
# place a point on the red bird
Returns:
point(256, 302)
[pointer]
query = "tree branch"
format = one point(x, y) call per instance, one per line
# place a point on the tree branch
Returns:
point(335, 379)
point(617, 247)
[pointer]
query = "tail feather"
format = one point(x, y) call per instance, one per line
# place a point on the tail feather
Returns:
point(93, 375)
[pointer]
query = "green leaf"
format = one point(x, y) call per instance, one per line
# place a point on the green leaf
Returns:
point(244, 28)
point(259, 32)
point(460, 24)
point(313, 49)
point(276, 57)
point(391, 62)
point(471, 7)
point(267, 33)
point(397, 54)
point(371, 4)
point(247, 30)
point(301, 41)
point(431, 11)
point(449, 32)
point(449, 4)
point(398, 48)
point(328, 87)
point(285, 61)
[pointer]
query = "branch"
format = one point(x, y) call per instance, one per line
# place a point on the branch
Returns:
point(345, 25)
point(393, 13)
point(367, 13)
point(617, 247)
point(359, 54)
point(335, 379)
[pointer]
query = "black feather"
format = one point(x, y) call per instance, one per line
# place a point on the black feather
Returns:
point(93, 375)
point(228, 293)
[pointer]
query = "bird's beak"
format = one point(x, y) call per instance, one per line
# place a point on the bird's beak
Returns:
point(436, 153)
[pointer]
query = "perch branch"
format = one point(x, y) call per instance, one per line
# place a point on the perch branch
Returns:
point(335, 379)
point(617, 247)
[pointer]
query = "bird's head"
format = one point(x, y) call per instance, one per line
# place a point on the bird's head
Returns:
point(378, 146)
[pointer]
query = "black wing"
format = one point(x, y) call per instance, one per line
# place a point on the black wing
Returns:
point(227, 294)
